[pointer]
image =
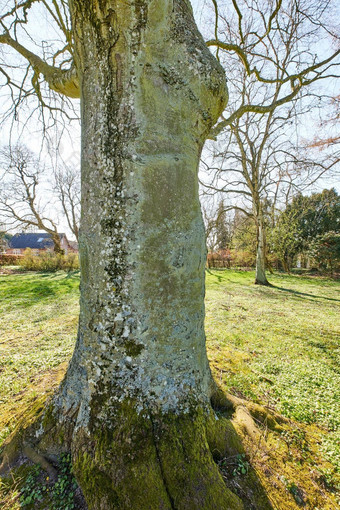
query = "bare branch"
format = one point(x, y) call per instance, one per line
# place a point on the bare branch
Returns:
point(62, 81)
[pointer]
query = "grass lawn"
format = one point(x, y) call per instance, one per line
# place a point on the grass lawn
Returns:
point(277, 346)
point(38, 323)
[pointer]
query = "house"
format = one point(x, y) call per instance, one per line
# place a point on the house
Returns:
point(37, 242)
point(73, 247)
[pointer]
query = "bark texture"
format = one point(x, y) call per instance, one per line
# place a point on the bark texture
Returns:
point(260, 273)
point(150, 93)
point(134, 405)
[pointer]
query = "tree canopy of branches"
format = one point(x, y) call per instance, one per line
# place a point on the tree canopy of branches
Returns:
point(258, 159)
point(277, 43)
point(20, 204)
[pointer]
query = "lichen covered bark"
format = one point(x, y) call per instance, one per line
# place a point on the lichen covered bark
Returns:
point(150, 93)
point(135, 398)
point(260, 273)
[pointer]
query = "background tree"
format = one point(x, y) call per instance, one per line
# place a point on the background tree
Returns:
point(318, 213)
point(3, 240)
point(284, 238)
point(20, 202)
point(257, 159)
point(331, 124)
point(244, 240)
point(301, 227)
point(67, 190)
point(325, 250)
point(218, 226)
point(223, 227)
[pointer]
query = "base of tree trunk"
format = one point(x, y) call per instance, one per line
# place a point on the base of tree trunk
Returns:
point(147, 460)
point(261, 282)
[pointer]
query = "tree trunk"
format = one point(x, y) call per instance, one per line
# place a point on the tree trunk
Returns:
point(134, 405)
point(56, 242)
point(260, 275)
point(285, 264)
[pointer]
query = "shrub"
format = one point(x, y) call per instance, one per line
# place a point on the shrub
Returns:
point(49, 261)
point(242, 258)
point(9, 259)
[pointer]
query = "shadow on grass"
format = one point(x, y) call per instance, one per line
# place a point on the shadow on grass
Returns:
point(54, 274)
point(73, 274)
point(219, 277)
point(304, 294)
point(44, 286)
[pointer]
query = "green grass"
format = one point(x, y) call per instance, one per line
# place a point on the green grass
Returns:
point(279, 346)
point(38, 321)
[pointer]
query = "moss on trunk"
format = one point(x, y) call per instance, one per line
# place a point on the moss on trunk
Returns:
point(151, 461)
point(134, 405)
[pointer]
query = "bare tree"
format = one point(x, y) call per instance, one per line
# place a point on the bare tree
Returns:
point(218, 225)
point(329, 127)
point(278, 44)
point(135, 406)
point(20, 202)
point(38, 81)
point(67, 190)
point(257, 159)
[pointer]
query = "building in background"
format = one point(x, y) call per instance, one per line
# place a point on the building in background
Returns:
point(38, 242)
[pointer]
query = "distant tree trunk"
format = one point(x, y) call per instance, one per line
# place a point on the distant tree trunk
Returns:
point(285, 264)
point(56, 242)
point(260, 273)
point(134, 405)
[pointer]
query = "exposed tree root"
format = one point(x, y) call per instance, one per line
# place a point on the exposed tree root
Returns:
point(146, 462)
point(154, 461)
point(228, 405)
point(150, 461)
point(36, 458)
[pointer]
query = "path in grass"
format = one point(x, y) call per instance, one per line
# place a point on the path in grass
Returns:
point(279, 345)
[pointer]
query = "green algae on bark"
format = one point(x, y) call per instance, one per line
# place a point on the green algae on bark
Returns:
point(150, 93)
point(151, 461)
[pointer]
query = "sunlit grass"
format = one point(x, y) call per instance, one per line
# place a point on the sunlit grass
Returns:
point(279, 346)
point(38, 321)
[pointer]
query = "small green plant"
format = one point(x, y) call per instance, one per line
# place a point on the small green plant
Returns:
point(292, 488)
point(242, 466)
point(235, 466)
point(60, 494)
point(63, 490)
point(32, 491)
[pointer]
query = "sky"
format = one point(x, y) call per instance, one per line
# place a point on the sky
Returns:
point(69, 144)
